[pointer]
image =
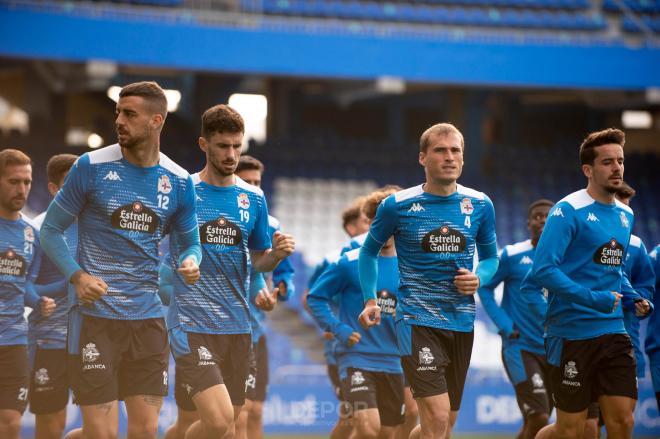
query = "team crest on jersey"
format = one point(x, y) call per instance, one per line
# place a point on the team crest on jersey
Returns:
point(90, 354)
point(12, 264)
point(444, 240)
point(357, 378)
point(624, 220)
point(386, 301)
point(610, 254)
point(466, 206)
point(426, 356)
point(537, 381)
point(164, 184)
point(28, 234)
point(41, 376)
point(220, 231)
point(135, 217)
point(243, 201)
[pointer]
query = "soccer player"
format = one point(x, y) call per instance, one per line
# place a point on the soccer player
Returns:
point(437, 227)
point(368, 359)
point(652, 342)
point(355, 223)
point(20, 258)
point(49, 383)
point(579, 260)
point(209, 321)
point(523, 353)
point(250, 422)
point(126, 197)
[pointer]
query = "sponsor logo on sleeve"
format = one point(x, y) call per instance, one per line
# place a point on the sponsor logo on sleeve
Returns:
point(444, 240)
point(220, 231)
point(135, 217)
point(610, 254)
point(12, 264)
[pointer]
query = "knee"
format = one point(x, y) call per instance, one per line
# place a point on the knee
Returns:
point(11, 426)
point(256, 412)
point(367, 430)
point(218, 425)
point(623, 421)
point(537, 421)
point(569, 430)
point(412, 412)
point(143, 430)
point(53, 423)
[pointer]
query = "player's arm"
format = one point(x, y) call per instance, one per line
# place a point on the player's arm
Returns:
point(487, 295)
point(327, 287)
point(266, 255)
point(532, 295)
point(44, 304)
point(382, 227)
point(635, 298)
point(165, 282)
point(283, 279)
point(559, 231)
point(187, 230)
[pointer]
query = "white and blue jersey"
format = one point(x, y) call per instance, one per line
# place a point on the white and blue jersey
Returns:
point(434, 237)
point(652, 342)
point(20, 259)
point(232, 221)
point(123, 212)
point(514, 312)
point(580, 261)
point(639, 270)
point(377, 349)
point(50, 332)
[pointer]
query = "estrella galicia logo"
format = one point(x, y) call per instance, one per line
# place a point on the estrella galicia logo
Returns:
point(12, 264)
point(386, 301)
point(444, 240)
point(135, 217)
point(220, 231)
point(610, 253)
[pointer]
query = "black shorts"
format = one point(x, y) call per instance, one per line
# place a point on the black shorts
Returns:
point(119, 358)
point(333, 374)
point(257, 381)
point(590, 368)
point(368, 390)
point(49, 381)
point(206, 360)
point(14, 379)
point(435, 361)
point(532, 393)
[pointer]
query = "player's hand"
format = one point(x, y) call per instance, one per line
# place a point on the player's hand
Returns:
point(466, 282)
point(353, 339)
point(88, 288)
point(617, 300)
point(283, 245)
point(266, 300)
point(282, 287)
point(189, 270)
point(370, 315)
point(47, 306)
point(328, 335)
point(642, 308)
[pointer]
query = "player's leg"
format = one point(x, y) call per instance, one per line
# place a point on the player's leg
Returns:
point(250, 395)
point(391, 407)
point(186, 410)
point(655, 377)
point(97, 344)
point(411, 415)
point(534, 393)
point(49, 392)
point(514, 367)
point(591, 427)
point(618, 416)
point(459, 344)
point(343, 427)
point(216, 414)
point(14, 384)
point(567, 426)
point(143, 380)
point(255, 423)
point(360, 391)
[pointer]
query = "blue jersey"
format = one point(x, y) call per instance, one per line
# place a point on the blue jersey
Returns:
point(652, 342)
point(640, 272)
point(123, 213)
point(232, 221)
point(580, 261)
point(282, 273)
point(377, 349)
point(514, 313)
point(20, 258)
point(50, 332)
point(434, 237)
